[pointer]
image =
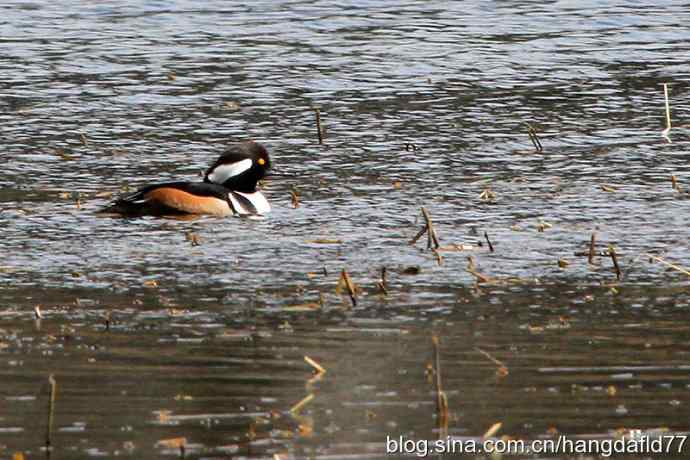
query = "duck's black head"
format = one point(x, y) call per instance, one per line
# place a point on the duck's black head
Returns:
point(241, 167)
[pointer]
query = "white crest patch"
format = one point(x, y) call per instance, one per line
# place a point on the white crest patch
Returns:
point(257, 199)
point(222, 173)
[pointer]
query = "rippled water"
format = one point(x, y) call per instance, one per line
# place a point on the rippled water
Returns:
point(424, 103)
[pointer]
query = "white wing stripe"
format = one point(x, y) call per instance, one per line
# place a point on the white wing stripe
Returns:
point(225, 171)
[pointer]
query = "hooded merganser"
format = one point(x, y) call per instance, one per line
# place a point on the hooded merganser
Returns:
point(229, 188)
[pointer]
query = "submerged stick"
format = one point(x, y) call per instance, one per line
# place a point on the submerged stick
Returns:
point(51, 411)
point(317, 112)
point(668, 112)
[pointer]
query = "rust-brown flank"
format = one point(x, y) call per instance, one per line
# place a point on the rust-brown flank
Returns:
point(187, 202)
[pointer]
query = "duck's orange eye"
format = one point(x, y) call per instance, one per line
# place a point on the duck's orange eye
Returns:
point(261, 161)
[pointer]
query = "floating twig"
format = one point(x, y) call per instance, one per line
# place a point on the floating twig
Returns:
point(37, 312)
point(534, 138)
point(317, 113)
point(51, 411)
point(488, 241)
point(668, 112)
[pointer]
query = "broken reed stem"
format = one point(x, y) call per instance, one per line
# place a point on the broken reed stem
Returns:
point(422, 231)
point(534, 138)
point(668, 112)
point(297, 407)
point(382, 282)
point(678, 268)
point(350, 286)
point(51, 411)
point(315, 365)
point(614, 259)
point(317, 112)
point(432, 240)
point(294, 196)
point(492, 431)
point(502, 370)
point(488, 241)
point(674, 183)
point(592, 241)
point(441, 398)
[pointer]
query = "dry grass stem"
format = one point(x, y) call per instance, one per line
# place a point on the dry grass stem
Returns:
point(675, 267)
point(441, 397)
point(502, 369)
point(432, 241)
point(294, 197)
point(51, 410)
point(319, 130)
point(346, 282)
point(495, 428)
point(614, 259)
point(674, 183)
point(592, 242)
point(534, 138)
point(300, 405)
point(421, 233)
point(488, 241)
point(668, 112)
point(315, 365)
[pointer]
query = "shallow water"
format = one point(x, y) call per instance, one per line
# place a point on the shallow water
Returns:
point(423, 104)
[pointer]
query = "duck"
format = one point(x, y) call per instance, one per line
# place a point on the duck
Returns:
point(229, 187)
